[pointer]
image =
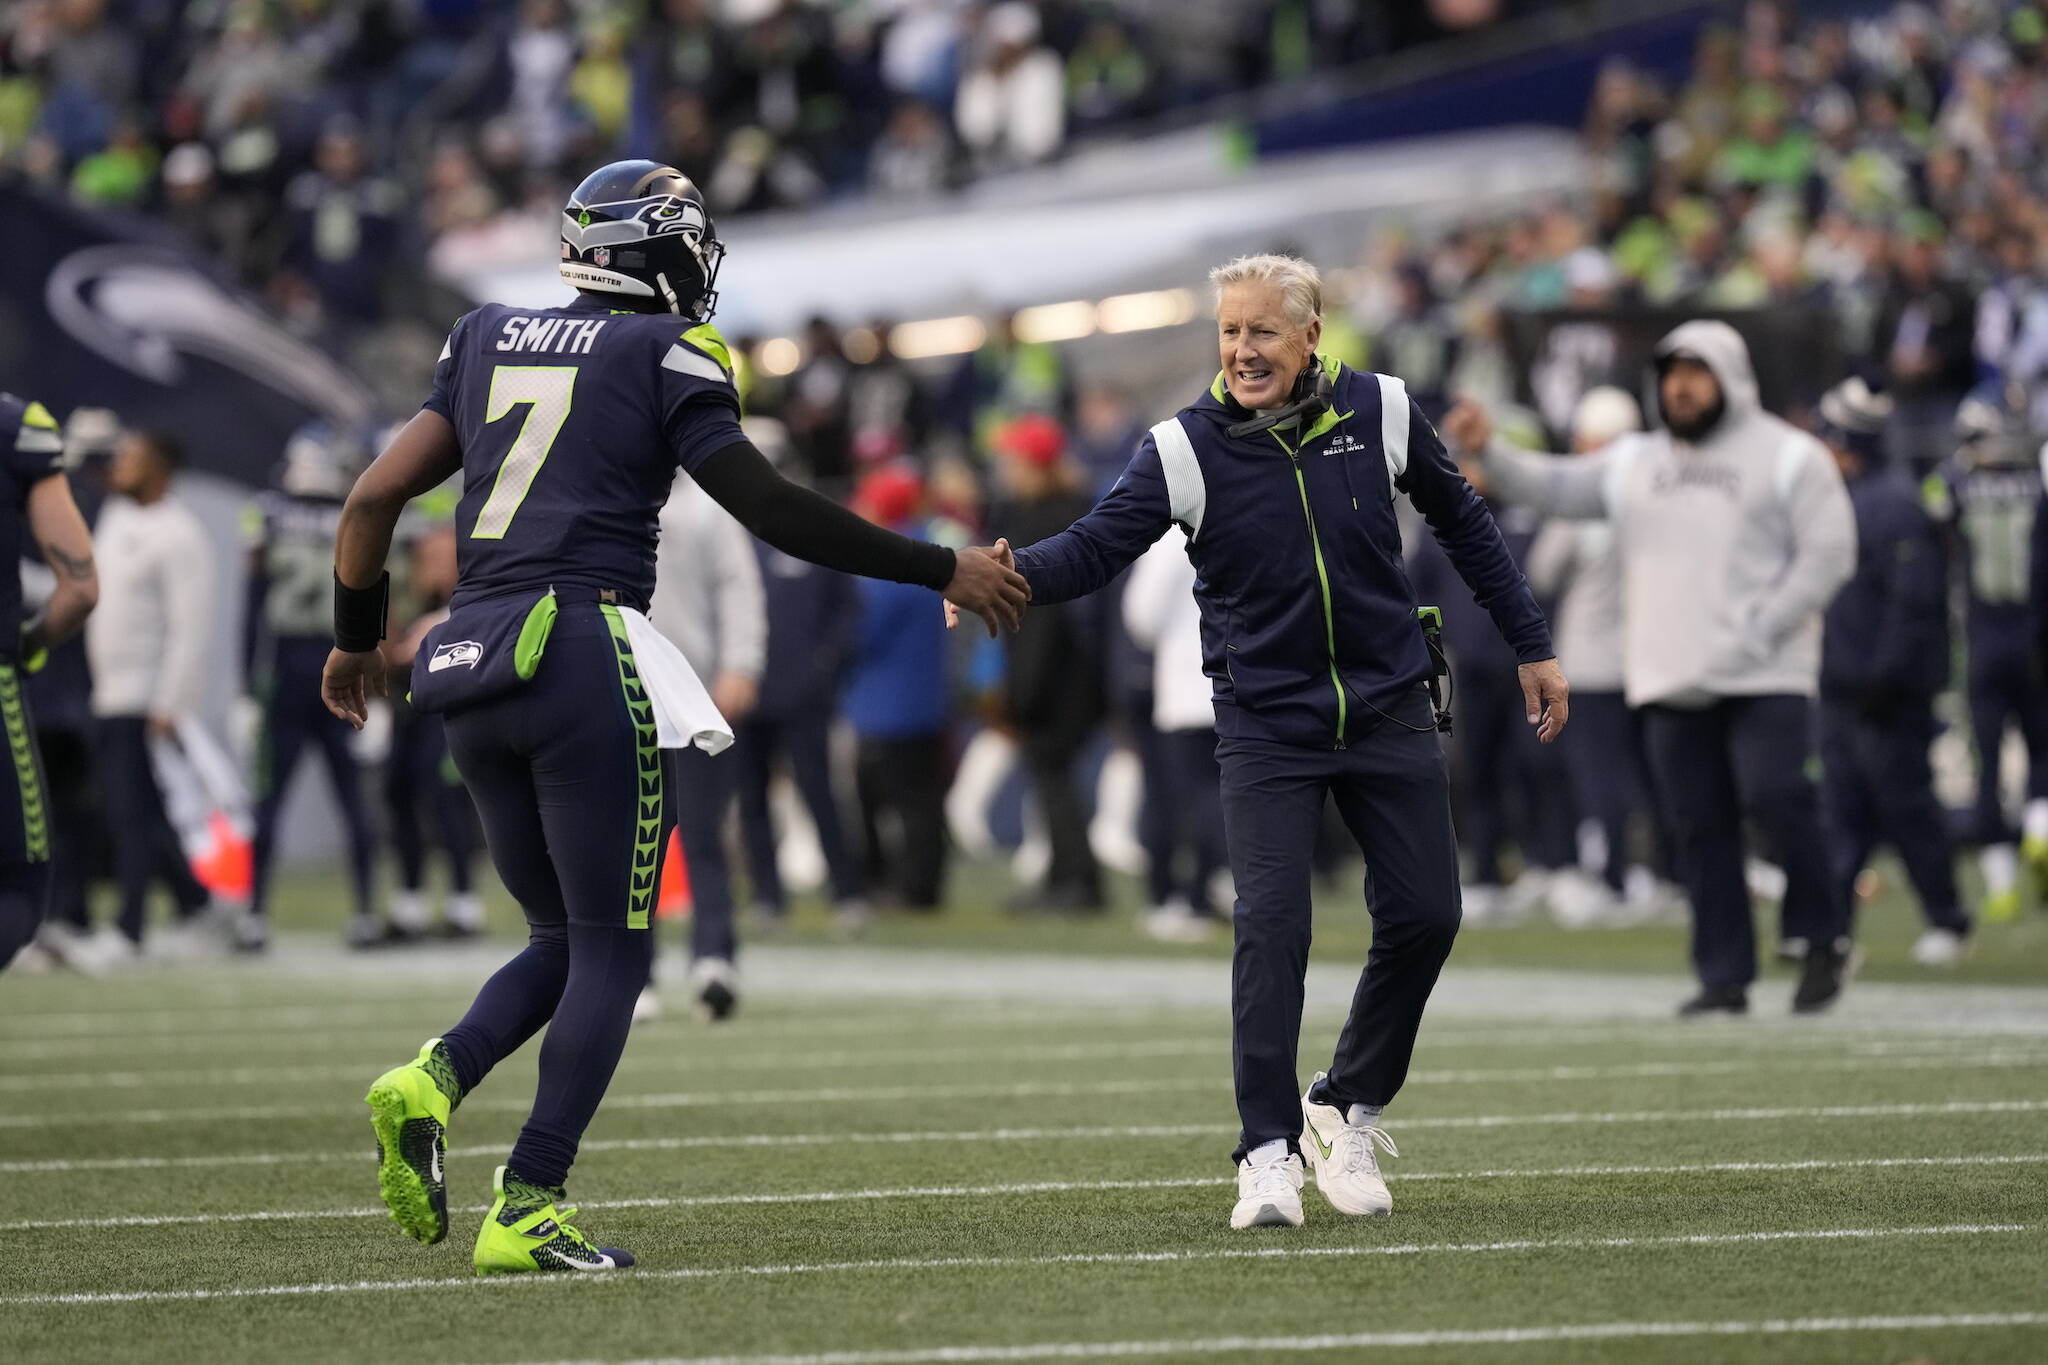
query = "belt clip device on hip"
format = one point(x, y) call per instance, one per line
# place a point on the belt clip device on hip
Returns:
point(1432, 621)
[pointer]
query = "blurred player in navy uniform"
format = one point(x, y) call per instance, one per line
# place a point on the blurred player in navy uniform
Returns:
point(813, 621)
point(567, 426)
point(39, 511)
point(1884, 657)
point(423, 793)
point(1988, 496)
point(287, 630)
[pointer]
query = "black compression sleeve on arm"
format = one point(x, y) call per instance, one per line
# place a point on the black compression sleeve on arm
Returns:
point(808, 525)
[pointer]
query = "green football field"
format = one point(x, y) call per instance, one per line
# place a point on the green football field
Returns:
point(978, 1139)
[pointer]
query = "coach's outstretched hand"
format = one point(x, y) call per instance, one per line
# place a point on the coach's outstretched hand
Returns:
point(1548, 696)
point(349, 681)
point(986, 582)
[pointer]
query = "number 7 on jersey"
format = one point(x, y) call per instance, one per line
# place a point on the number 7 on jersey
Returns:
point(547, 392)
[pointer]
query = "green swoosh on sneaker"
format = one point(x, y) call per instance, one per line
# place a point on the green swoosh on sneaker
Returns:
point(1317, 1138)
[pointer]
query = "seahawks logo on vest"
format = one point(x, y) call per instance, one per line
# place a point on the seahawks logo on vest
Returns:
point(456, 654)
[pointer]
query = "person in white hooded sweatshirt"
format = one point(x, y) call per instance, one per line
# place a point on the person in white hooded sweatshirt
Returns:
point(1733, 531)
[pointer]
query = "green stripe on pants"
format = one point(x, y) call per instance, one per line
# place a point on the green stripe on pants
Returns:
point(35, 824)
point(645, 879)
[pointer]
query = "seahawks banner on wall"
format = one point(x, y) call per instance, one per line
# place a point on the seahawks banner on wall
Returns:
point(1559, 354)
point(97, 311)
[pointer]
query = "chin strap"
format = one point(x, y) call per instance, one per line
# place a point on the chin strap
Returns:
point(1315, 392)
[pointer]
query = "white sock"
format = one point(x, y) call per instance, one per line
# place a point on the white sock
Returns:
point(1276, 1150)
point(2001, 866)
point(2034, 820)
point(1364, 1115)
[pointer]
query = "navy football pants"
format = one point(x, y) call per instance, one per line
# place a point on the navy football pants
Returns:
point(1743, 757)
point(421, 786)
point(806, 740)
point(1392, 789)
point(2004, 689)
point(293, 717)
point(703, 788)
point(569, 782)
point(146, 848)
point(1878, 788)
point(24, 825)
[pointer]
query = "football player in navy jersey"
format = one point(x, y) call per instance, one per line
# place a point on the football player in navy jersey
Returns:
point(1986, 498)
point(567, 426)
point(38, 502)
point(285, 637)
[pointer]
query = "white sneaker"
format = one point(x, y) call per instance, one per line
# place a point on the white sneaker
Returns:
point(1176, 922)
point(1347, 1168)
point(251, 932)
point(1579, 901)
point(1938, 948)
point(464, 913)
point(715, 983)
point(1268, 1191)
point(648, 1006)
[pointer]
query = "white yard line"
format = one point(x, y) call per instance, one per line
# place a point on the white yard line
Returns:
point(700, 1099)
point(1264, 1253)
point(1358, 1341)
point(65, 1165)
point(695, 1099)
point(1882, 1058)
point(1054, 1187)
point(376, 1036)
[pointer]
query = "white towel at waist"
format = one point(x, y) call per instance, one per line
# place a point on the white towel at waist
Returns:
point(683, 713)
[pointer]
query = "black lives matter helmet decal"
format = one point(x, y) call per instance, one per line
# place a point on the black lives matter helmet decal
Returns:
point(640, 228)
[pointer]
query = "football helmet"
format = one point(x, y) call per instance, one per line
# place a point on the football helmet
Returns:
point(640, 228)
point(322, 459)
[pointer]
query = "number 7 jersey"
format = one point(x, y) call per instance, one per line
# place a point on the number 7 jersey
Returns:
point(573, 422)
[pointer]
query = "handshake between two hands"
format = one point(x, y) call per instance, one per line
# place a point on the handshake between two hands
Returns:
point(986, 582)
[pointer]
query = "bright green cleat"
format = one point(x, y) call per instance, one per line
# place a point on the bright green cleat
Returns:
point(409, 1108)
point(524, 1232)
point(2034, 853)
point(2001, 907)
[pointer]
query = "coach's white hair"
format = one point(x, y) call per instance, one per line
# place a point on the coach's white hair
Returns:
point(1298, 282)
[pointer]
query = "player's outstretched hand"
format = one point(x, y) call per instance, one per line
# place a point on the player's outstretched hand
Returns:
point(986, 582)
point(1468, 427)
point(1548, 697)
point(348, 683)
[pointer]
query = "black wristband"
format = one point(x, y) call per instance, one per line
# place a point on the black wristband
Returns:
point(359, 614)
point(929, 566)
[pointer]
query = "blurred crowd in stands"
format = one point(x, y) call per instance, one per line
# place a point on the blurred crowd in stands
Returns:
point(322, 148)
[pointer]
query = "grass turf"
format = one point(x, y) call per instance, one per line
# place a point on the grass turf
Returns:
point(840, 1174)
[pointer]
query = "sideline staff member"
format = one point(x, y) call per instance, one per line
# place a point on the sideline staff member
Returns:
point(1283, 477)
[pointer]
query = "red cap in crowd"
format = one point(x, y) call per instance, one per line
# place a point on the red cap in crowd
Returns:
point(1033, 438)
point(889, 496)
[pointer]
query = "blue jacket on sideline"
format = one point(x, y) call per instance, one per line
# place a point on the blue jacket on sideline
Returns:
point(896, 686)
point(1886, 632)
point(1308, 619)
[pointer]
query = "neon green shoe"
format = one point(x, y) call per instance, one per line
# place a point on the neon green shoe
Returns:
point(2002, 907)
point(2034, 853)
point(409, 1108)
point(524, 1232)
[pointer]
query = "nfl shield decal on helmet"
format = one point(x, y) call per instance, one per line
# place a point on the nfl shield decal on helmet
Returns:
point(602, 257)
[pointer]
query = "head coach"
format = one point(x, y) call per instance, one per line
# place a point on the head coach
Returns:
point(1283, 476)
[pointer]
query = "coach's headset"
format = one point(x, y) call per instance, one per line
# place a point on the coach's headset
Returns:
point(1315, 393)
